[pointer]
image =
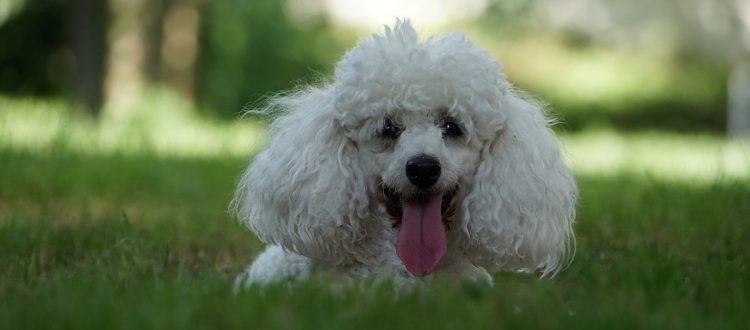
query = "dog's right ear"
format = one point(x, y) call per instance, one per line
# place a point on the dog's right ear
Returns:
point(303, 192)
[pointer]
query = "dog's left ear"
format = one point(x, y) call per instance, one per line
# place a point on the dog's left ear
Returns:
point(520, 210)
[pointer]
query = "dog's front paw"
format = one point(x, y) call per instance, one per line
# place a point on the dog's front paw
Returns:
point(272, 266)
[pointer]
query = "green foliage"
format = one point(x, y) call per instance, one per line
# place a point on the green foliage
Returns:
point(34, 59)
point(250, 50)
point(603, 87)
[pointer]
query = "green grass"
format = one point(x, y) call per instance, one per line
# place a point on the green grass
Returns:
point(97, 235)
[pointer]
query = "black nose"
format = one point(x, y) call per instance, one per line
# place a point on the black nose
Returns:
point(423, 171)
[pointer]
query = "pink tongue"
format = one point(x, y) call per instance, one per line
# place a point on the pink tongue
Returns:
point(421, 241)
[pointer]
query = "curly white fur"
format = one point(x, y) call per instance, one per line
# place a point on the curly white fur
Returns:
point(312, 194)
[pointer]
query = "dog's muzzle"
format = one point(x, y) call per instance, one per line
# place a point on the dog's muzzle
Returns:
point(423, 171)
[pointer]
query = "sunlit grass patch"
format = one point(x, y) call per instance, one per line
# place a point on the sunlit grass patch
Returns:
point(666, 155)
point(165, 126)
point(160, 124)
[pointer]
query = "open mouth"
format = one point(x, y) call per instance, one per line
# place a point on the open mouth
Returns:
point(393, 204)
point(421, 220)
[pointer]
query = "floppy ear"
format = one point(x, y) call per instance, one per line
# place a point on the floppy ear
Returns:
point(521, 207)
point(303, 192)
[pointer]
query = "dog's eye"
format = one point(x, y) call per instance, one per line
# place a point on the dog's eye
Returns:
point(390, 130)
point(451, 129)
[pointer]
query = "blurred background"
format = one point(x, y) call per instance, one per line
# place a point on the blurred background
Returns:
point(674, 65)
point(610, 67)
point(122, 137)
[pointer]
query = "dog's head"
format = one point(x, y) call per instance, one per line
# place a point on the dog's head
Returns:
point(423, 140)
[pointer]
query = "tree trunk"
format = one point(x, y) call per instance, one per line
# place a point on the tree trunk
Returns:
point(738, 98)
point(738, 118)
point(88, 34)
point(156, 11)
point(152, 41)
point(124, 81)
point(180, 47)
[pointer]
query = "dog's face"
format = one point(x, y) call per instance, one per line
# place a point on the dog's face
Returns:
point(418, 161)
point(420, 153)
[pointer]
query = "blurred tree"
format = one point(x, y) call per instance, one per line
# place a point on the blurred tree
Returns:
point(179, 50)
point(250, 49)
point(739, 80)
point(125, 77)
point(34, 55)
point(153, 16)
point(241, 50)
point(55, 47)
point(153, 42)
point(88, 34)
point(710, 31)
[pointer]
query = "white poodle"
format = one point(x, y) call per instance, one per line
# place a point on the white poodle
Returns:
point(420, 160)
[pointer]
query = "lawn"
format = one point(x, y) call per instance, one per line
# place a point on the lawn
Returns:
point(108, 225)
